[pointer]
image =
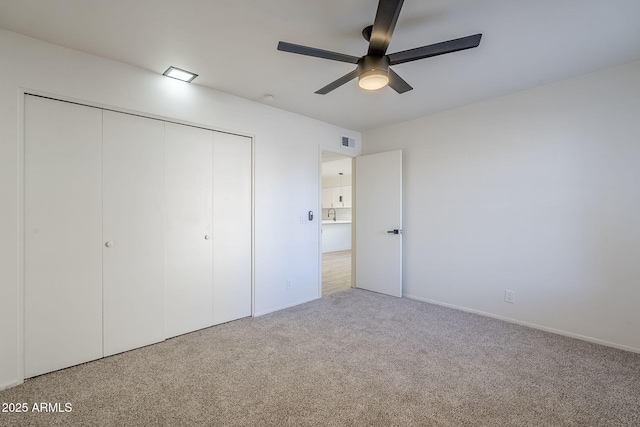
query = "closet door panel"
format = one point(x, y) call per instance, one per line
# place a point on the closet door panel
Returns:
point(133, 197)
point(62, 235)
point(231, 227)
point(188, 230)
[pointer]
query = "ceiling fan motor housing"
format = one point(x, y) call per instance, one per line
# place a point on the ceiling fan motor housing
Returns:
point(373, 72)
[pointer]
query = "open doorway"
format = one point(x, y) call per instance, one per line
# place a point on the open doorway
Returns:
point(336, 235)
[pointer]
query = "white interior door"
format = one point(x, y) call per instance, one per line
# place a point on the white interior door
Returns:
point(188, 229)
point(231, 227)
point(133, 231)
point(378, 255)
point(62, 235)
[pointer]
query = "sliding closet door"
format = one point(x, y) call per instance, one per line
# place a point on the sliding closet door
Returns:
point(188, 230)
point(133, 194)
point(231, 227)
point(62, 235)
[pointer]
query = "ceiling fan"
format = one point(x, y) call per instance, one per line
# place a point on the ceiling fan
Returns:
point(373, 70)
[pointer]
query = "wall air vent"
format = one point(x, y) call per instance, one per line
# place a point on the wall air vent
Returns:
point(348, 142)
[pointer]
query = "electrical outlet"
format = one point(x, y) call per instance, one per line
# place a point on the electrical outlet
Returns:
point(510, 296)
point(289, 285)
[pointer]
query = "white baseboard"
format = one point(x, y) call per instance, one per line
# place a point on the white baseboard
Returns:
point(530, 325)
point(282, 307)
point(12, 384)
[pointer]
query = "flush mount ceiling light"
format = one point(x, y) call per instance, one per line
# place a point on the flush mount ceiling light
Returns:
point(373, 72)
point(373, 80)
point(177, 73)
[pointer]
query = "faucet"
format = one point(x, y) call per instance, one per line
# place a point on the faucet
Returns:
point(329, 213)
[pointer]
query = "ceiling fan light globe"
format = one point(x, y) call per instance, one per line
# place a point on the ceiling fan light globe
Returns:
point(373, 79)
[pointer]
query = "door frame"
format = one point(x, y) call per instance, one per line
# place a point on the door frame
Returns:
point(353, 217)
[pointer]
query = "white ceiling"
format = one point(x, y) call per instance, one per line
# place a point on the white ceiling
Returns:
point(231, 44)
point(336, 166)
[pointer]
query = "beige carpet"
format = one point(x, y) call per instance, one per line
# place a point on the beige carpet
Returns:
point(351, 359)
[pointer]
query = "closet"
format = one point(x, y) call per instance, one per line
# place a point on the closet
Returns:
point(135, 230)
point(188, 229)
point(132, 231)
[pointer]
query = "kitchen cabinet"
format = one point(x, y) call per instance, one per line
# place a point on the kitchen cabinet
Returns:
point(336, 192)
point(347, 197)
point(337, 197)
point(336, 236)
point(327, 198)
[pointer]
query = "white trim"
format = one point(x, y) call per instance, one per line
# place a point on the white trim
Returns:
point(86, 103)
point(20, 213)
point(530, 325)
point(319, 220)
point(351, 156)
point(354, 208)
point(253, 226)
point(282, 307)
point(9, 385)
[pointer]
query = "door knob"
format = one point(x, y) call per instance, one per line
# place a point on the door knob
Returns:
point(206, 237)
point(395, 231)
point(108, 244)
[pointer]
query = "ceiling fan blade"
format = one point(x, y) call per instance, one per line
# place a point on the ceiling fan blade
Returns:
point(435, 49)
point(397, 83)
point(318, 53)
point(383, 26)
point(337, 83)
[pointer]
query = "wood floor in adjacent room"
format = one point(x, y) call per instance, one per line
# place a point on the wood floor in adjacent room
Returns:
point(336, 272)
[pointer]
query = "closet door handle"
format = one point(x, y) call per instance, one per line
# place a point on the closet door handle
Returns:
point(108, 244)
point(206, 237)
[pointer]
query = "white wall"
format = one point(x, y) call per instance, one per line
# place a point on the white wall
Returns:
point(286, 166)
point(536, 192)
